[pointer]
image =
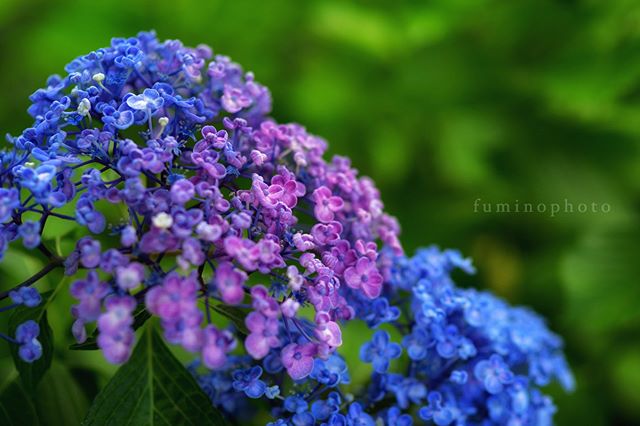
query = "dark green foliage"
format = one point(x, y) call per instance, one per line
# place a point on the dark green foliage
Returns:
point(152, 388)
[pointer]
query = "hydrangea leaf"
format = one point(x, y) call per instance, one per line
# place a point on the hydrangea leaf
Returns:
point(152, 388)
point(60, 400)
point(18, 265)
point(31, 373)
point(140, 316)
point(16, 408)
point(235, 315)
point(58, 228)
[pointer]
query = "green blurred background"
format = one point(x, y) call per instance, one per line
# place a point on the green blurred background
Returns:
point(441, 102)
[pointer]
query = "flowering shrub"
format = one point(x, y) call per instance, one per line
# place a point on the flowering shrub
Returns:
point(251, 250)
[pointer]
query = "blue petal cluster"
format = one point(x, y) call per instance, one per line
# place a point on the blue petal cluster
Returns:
point(29, 348)
point(481, 360)
point(101, 86)
point(26, 335)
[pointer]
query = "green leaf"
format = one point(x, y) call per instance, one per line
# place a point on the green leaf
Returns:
point(140, 316)
point(60, 400)
point(152, 388)
point(18, 265)
point(31, 373)
point(58, 228)
point(16, 407)
point(236, 315)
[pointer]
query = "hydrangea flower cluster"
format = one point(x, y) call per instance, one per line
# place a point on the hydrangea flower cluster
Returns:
point(220, 205)
point(464, 358)
point(253, 252)
point(479, 358)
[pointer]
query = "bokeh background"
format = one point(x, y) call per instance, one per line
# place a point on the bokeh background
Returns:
point(441, 102)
